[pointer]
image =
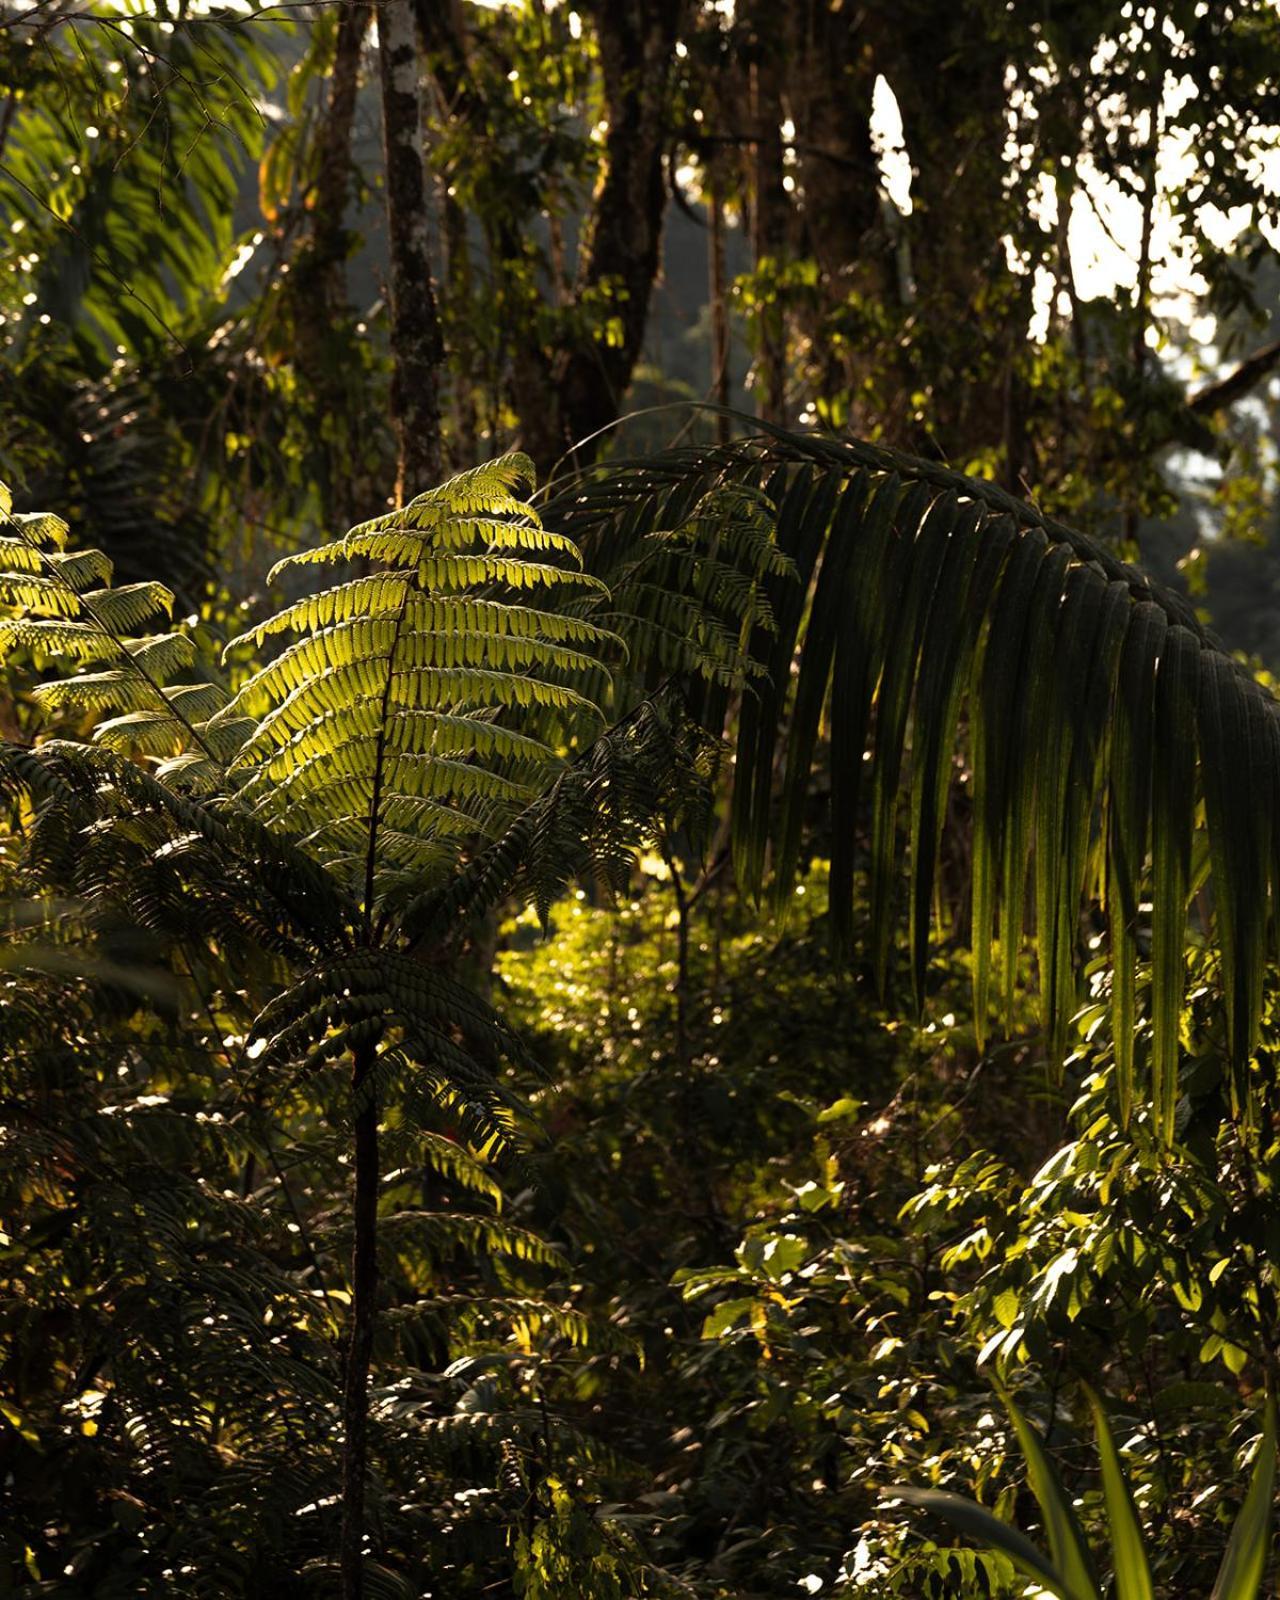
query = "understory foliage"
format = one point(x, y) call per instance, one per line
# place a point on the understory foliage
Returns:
point(865, 1223)
point(705, 1031)
point(225, 890)
point(643, 1275)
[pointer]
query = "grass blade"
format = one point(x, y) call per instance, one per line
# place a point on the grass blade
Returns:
point(1067, 1548)
point(1128, 1554)
point(980, 1525)
point(1240, 1576)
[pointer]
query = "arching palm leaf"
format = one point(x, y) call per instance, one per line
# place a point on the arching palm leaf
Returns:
point(1116, 753)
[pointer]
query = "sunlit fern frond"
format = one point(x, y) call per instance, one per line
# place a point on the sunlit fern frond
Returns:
point(426, 1238)
point(59, 609)
point(426, 701)
point(655, 768)
point(470, 1318)
point(443, 1155)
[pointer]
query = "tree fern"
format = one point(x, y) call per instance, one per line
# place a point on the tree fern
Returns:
point(689, 593)
point(431, 738)
point(384, 731)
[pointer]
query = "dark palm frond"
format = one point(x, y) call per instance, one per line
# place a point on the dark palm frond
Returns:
point(126, 180)
point(1116, 753)
point(109, 452)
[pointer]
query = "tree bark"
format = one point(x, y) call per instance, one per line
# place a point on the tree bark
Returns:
point(969, 310)
point(364, 1289)
point(623, 247)
point(322, 316)
point(1223, 392)
point(841, 220)
point(720, 384)
point(770, 206)
point(569, 388)
point(417, 349)
point(333, 141)
point(457, 302)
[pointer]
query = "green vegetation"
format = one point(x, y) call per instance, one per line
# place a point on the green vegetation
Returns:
point(1070, 1573)
point(604, 997)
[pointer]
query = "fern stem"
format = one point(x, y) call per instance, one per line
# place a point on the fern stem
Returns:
point(364, 1288)
point(379, 774)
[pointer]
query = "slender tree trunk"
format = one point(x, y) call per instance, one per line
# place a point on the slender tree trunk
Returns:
point(333, 140)
point(719, 311)
point(364, 1289)
point(6, 117)
point(840, 221)
point(317, 286)
point(769, 212)
point(457, 307)
point(565, 392)
point(417, 350)
point(1142, 287)
point(621, 251)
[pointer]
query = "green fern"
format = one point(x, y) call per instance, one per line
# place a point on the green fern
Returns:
point(429, 739)
point(57, 606)
point(692, 598)
point(385, 730)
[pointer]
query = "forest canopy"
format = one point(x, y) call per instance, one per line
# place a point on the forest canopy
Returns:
point(639, 799)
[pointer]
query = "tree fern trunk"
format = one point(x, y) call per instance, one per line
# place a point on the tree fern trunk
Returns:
point(364, 1288)
point(417, 351)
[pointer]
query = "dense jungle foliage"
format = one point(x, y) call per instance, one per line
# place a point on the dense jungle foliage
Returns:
point(639, 799)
